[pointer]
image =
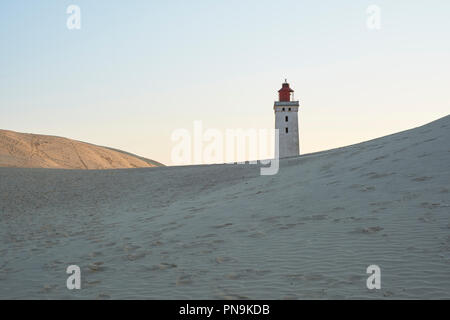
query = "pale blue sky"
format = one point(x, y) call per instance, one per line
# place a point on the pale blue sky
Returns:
point(137, 70)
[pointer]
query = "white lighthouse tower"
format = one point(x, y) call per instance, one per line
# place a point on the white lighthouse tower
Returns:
point(286, 121)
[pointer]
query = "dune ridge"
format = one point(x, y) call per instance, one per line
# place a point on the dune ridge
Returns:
point(25, 150)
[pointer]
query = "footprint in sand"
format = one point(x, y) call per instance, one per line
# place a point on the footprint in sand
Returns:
point(232, 276)
point(289, 225)
point(156, 243)
point(434, 205)
point(135, 256)
point(103, 296)
point(130, 247)
point(95, 254)
point(221, 260)
point(374, 175)
point(224, 294)
point(420, 179)
point(257, 234)
point(96, 266)
point(92, 283)
point(425, 219)
point(48, 288)
point(368, 230)
point(184, 279)
point(380, 158)
point(164, 266)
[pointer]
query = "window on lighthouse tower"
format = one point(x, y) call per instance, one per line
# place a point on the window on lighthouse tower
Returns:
point(287, 131)
point(286, 118)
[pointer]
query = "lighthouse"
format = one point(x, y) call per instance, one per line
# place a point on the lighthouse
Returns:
point(286, 121)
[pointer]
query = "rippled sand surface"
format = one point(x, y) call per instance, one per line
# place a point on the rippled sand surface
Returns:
point(225, 232)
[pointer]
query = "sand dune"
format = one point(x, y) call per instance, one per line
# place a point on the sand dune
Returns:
point(224, 231)
point(25, 150)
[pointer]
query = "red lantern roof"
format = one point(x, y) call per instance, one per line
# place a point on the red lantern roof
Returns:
point(285, 92)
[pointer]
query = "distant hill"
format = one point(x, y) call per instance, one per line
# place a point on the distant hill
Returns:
point(24, 150)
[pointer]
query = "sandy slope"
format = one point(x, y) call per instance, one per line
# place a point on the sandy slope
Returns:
point(224, 231)
point(25, 150)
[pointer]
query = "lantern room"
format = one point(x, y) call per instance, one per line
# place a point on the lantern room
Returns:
point(285, 92)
